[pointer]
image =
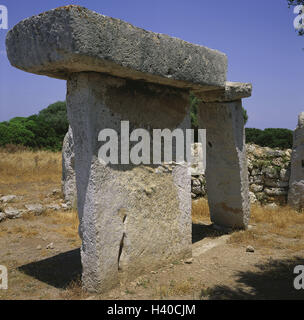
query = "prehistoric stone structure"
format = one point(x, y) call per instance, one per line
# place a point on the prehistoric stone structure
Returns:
point(220, 113)
point(296, 182)
point(136, 217)
point(68, 170)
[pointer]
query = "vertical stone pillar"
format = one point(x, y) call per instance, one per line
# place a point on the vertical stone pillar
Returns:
point(68, 181)
point(226, 163)
point(133, 218)
point(296, 182)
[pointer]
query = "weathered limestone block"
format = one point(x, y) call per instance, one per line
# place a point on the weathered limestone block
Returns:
point(275, 183)
point(233, 91)
point(75, 39)
point(68, 170)
point(285, 175)
point(256, 188)
point(132, 218)
point(252, 197)
point(198, 162)
point(296, 182)
point(226, 169)
point(275, 191)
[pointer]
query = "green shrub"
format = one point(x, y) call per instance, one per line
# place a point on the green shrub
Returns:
point(43, 131)
point(271, 137)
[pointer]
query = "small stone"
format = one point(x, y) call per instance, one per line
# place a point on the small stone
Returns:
point(153, 272)
point(13, 213)
point(56, 192)
point(148, 191)
point(37, 209)
point(256, 188)
point(2, 216)
point(197, 190)
point(65, 206)
point(50, 246)
point(39, 247)
point(189, 261)
point(7, 199)
point(271, 206)
point(54, 207)
point(250, 249)
point(252, 197)
point(160, 170)
point(275, 191)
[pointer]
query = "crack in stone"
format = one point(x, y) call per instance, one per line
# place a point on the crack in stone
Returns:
point(121, 245)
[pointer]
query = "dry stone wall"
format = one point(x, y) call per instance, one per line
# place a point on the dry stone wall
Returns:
point(268, 173)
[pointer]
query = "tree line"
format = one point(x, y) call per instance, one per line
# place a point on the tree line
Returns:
point(46, 130)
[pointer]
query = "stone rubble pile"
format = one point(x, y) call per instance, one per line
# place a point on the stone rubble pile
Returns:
point(12, 206)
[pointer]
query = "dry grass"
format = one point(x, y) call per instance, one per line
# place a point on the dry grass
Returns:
point(74, 291)
point(28, 166)
point(63, 222)
point(279, 218)
point(180, 288)
point(174, 288)
point(67, 223)
point(276, 228)
point(20, 230)
point(200, 211)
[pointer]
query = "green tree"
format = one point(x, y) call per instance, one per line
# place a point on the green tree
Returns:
point(43, 131)
point(270, 137)
point(295, 2)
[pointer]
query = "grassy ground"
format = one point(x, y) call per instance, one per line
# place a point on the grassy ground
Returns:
point(225, 271)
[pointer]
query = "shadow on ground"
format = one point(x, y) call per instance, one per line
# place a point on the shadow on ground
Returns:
point(58, 271)
point(274, 280)
point(201, 231)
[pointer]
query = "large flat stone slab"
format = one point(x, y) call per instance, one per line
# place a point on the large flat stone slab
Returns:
point(232, 91)
point(73, 39)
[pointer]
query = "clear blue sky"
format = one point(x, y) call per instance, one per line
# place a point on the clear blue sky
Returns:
point(257, 35)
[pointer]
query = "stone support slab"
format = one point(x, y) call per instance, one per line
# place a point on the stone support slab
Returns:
point(226, 164)
point(133, 218)
point(296, 182)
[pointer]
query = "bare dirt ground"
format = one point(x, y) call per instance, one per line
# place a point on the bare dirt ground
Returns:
point(221, 267)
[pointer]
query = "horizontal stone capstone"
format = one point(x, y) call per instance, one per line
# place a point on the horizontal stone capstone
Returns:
point(231, 92)
point(74, 39)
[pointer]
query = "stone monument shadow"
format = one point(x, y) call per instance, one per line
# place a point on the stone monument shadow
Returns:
point(58, 271)
point(202, 231)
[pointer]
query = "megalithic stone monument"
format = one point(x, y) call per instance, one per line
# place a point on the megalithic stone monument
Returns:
point(134, 218)
point(220, 113)
point(296, 181)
